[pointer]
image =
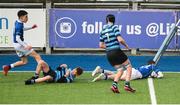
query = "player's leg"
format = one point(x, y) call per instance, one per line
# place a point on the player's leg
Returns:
point(43, 79)
point(42, 66)
point(49, 74)
point(38, 80)
point(123, 77)
point(108, 72)
point(128, 67)
point(6, 68)
point(101, 76)
point(36, 56)
point(22, 52)
point(115, 58)
point(96, 71)
point(23, 61)
point(104, 76)
point(40, 63)
point(114, 86)
point(111, 77)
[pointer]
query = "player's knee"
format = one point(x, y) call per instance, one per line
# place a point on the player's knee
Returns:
point(41, 62)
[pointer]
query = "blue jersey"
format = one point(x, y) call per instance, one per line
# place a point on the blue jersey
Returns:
point(109, 35)
point(18, 30)
point(61, 73)
point(147, 70)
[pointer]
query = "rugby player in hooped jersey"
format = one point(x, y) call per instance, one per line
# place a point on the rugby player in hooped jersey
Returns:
point(110, 40)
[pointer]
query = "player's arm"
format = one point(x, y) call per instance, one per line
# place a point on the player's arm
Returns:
point(122, 41)
point(119, 38)
point(64, 66)
point(18, 39)
point(67, 73)
point(29, 28)
point(101, 43)
point(66, 69)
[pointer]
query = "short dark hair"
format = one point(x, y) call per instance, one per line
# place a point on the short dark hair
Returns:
point(110, 18)
point(21, 13)
point(79, 70)
point(151, 62)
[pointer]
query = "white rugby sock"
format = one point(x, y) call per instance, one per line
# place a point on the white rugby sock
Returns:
point(12, 65)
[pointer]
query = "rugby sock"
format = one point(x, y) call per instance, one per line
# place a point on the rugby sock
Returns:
point(114, 84)
point(127, 83)
point(36, 75)
point(33, 81)
point(102, 70)
point(11, 66)
point(28, 82)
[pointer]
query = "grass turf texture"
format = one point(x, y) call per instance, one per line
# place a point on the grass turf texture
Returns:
point(167, 89)
point(82, 91)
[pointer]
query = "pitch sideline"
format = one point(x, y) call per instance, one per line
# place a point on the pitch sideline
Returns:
point(152, 91)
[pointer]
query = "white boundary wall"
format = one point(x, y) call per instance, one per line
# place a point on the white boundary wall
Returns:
point(35, 37)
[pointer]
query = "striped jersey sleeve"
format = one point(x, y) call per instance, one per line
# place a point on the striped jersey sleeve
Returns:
point(116, 31)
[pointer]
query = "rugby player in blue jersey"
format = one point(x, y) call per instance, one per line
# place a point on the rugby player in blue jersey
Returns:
point(62, 74)
point(149, 70)
point(110, 40)
point(22, 48)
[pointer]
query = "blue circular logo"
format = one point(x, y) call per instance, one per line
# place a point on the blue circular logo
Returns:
point(65, 27)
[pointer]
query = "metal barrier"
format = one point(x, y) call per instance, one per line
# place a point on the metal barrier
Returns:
point(21, 5)
point(92, 5)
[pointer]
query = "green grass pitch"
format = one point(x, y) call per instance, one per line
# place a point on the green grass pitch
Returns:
point(82, 91)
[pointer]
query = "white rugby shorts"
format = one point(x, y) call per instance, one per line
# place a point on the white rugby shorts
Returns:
point(21, 51)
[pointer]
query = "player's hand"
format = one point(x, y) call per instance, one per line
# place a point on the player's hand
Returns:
point(34, 26)
point(64, 65)
point(64, 76)
point(28, 47)
point(129, 49)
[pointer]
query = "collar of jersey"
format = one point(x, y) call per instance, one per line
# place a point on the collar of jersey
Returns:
point(19, 21)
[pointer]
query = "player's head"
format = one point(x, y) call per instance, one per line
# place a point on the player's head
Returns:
point(78, 71)
point(110, 18)
point(22, 15)
point(150, 62)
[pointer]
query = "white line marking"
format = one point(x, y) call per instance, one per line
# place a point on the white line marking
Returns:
point(152, 91)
